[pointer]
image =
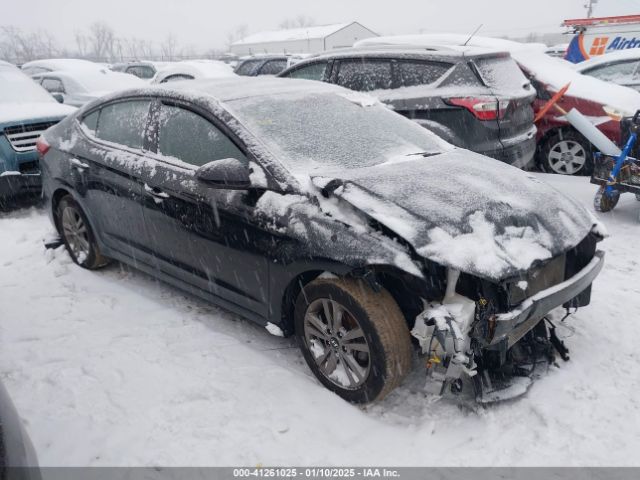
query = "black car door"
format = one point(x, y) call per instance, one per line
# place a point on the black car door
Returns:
point(202, 235)
point(106, 171)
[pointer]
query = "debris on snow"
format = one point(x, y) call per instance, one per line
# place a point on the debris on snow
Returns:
point(274, 330)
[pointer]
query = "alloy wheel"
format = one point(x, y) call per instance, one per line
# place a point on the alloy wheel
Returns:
point(337, 342)
point(76, 233)
point(567, 157)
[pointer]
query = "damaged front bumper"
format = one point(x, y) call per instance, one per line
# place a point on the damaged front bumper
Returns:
point(513, 325)
point(455, 347)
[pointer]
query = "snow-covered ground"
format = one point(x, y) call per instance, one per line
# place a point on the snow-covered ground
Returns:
point(114, 368)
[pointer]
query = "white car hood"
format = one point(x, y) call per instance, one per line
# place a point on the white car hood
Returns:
point(20, 112)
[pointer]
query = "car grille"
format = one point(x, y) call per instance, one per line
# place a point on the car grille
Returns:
point(553, 272)
point(23, 137)
point(537, 279)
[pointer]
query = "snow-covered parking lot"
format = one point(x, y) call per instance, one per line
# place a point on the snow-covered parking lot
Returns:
point(114, 368)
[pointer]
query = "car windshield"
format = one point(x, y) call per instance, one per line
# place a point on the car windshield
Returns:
point(328, 131)
point(15, 86)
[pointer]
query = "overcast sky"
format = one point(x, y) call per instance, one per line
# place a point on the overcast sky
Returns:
point(205, 23)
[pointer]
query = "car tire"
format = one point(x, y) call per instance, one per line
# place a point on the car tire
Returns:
point(78, 237)
point(567, 153)
point(354, 339)
point(605, 203)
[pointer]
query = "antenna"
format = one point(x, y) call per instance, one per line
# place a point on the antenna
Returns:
point(472, 35)
point(589, 6)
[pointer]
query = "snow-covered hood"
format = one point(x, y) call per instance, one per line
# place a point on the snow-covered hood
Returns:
point(12, 113)
point(466, 211)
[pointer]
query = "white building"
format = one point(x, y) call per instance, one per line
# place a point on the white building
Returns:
point(303, 40)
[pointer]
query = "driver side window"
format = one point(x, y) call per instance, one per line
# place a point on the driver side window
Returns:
point(191, 138)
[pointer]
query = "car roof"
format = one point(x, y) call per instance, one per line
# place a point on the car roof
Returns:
point(63, 64)
point(435, 52)
point(265, 56)
point(238, 87)
point(630, 54)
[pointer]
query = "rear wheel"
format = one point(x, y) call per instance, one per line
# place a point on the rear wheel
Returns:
point(567, 153)
point(77, 235)
point(355, 340)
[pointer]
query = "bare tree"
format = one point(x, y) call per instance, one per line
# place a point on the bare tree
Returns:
point(168, 47)
point(297, 22)
point(19, 46)
point(102, 41)
point(238, 33)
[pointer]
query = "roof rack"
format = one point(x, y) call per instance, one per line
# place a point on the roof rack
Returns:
point(601, 21)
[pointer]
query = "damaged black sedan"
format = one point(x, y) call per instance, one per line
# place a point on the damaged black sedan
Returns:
point(317, 212)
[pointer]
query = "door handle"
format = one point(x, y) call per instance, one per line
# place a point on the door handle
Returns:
point(78, 165)
point(157, 194)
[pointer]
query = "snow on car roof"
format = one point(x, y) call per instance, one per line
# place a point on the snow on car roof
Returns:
point(63, 64)
point(196, 69)
point(630, 54)
point(103, 80)
point(227, 89)
point(290, 34)
point(451, 40)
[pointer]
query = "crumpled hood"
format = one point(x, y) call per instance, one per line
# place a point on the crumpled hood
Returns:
point(466, 211)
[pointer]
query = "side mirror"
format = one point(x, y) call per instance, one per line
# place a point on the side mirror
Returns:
point(228, 173)
point(58, 96)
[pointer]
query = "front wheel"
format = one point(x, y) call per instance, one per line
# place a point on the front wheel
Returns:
point(354, 339)
point(567, 153)
point(77, 235)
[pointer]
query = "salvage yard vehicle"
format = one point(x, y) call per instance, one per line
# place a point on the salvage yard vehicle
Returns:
point(144, 70)
point(36, 67)
point(472, 98)
point(262, 65)
point(621, 67)
point(313, 211)
point(26, 110)
point(192, 69)
point(77, 87)
point(560, 148)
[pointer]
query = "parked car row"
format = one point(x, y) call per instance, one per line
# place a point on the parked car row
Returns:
point(473, 98)
point(560, 148)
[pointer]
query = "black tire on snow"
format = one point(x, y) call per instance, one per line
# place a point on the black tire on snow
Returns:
point(385, 331)
point(91, 260)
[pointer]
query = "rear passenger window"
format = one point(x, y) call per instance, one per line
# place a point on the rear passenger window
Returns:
point(310, 72)
point(246, 67)
point(193, 139)
point(91, 121)
point(53, 85)
point(365, 75)
point(273, 67)
point(420, 73)
point(124, 123)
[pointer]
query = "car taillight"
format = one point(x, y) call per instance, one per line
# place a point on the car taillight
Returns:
point(482, 108)
point(42, 147)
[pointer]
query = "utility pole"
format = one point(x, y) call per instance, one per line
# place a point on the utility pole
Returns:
point(589, 6)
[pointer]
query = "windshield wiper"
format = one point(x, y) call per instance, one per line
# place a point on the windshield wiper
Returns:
point(423, 154)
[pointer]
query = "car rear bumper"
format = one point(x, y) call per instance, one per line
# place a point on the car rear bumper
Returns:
point(513, 325)
point(15, 184)
point(520, 155)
